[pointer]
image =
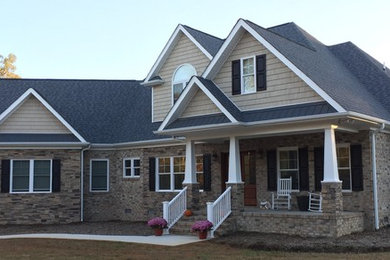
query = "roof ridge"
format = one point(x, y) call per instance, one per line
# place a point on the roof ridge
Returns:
point(203, 32)
point(279, 35)
point(279, 25)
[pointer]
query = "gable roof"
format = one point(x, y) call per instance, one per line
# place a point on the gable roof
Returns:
point(31, 92)
point(222, 102)
point(206, 43)
point(101, 111)
point(315, 63)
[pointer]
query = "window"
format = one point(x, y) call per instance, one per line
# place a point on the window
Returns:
point(171, 170)
point(31, 176)
point(344, 166)
point(131, 167)
point(180, 78)
point(248, 77)
point(99, 175)
point(199, 171)
point(288, 165)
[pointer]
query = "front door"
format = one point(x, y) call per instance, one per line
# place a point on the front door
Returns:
point(248, 175)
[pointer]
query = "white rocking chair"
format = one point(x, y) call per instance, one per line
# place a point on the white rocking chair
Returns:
point(315, 202)
point(283, 195)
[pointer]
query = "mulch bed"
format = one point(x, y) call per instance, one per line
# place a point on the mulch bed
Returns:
point(93, 228)
point(369, 241)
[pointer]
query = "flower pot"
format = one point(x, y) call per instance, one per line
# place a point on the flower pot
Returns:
point(303, 202)
point(202, 234)
point(158, 231)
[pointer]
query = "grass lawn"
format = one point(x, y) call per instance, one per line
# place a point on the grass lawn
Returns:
point(74, 249)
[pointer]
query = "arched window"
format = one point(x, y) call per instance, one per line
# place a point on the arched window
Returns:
point(180, 78)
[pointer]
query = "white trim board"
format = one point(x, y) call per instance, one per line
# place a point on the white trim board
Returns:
point(234, 37)
point(186, 97)
point(168, 49)
point(14, 106)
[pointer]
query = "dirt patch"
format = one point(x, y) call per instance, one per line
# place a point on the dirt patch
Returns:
point(370, 241)
point(93, 228)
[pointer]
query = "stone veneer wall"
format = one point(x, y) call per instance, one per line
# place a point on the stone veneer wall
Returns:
point(307, 225)
point(44, 208)
point(130, 199)
point(353, 201)
point(383, 177)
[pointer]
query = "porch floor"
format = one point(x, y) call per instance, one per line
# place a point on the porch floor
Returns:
point(258, 211)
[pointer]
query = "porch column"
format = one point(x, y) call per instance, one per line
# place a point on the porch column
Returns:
point(331, 173)
point(332, 197)
point(234, 161)
point(234, 178)
point(190, 177)
point(190, 173)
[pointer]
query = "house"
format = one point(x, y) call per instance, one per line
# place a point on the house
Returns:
point(213, 116)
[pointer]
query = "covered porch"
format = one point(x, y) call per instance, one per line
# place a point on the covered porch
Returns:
point(245, 167)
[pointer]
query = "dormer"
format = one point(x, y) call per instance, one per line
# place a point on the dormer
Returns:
point(187, 53)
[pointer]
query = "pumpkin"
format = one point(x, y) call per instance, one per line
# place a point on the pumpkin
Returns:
point(188, 213)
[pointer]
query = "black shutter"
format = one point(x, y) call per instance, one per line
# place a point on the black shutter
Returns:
point(236, 77)
point(318, 167)
point(207, 172)
point(356, 167)
point(261, 80)
point(152, 173)
point(303, 169)
point(5, 170)
point(56, 181)
point(271, 170)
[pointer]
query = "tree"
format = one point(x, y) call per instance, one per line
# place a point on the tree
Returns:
point(7, 67)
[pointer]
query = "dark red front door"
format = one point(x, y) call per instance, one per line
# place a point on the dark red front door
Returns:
point(248, 174)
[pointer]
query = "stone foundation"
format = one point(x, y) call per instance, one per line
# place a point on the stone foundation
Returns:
point(304, 224)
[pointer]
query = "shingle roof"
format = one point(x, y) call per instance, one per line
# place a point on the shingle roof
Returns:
point(300, 110)
point(222, 98)
point(328, 70)
point(209, 42)
point(101, 111)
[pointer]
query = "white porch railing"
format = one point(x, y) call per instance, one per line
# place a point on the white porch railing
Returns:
point(173, 210)
point(219, 210)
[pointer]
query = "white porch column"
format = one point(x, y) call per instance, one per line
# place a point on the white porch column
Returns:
point(190, 173)
point(331, 173)
point(234, 161)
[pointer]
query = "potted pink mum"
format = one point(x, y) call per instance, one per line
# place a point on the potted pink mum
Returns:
point(202, 227)
point(158, 224)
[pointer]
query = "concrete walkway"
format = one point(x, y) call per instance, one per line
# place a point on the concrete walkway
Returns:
point(165, 240)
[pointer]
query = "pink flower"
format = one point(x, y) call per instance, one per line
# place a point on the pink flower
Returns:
point(202, 225)
point(157, 223)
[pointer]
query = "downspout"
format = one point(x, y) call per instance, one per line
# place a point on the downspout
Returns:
point(82, 182)
point(374, 175)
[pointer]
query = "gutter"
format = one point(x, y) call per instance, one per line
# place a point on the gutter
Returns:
point(43, 144)
point(82, 182)
point(374, 174)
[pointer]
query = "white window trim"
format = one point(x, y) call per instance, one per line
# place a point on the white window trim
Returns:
point(171, 173)
point(180, 82)
point(108, 175)
point(292, 148)
point(242, 75)
point(132, 175)
point(342, 145)
point(31, 176)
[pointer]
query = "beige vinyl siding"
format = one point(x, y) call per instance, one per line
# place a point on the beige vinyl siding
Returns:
point(32, 117)
point(184, 52)
point(283, 86)
point(200, 104)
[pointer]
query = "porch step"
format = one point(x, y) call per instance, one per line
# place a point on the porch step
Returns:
point(183, 226)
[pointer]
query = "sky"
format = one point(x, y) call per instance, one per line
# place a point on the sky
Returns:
point(121, 39)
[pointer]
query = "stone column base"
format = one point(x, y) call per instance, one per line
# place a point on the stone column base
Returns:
point(332, 197)
point(193, 195)
point(237, 197)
